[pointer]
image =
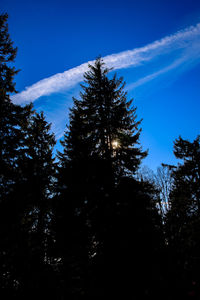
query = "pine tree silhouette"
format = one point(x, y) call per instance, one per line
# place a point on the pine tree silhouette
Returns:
point(100, 148)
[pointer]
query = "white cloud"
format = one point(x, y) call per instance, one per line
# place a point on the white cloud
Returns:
point(182, 40)
point(154, 75)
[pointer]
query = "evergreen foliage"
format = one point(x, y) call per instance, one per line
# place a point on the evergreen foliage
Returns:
point(90, 224)
point(7, 56)
point(11, 143)
point(26, 170)
point(103, 124)
point(182, 220)
point(100, 151)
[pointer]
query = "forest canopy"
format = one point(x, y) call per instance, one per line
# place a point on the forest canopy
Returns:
point(91, 221)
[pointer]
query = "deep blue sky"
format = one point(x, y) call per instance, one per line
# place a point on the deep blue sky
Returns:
point(54, 36)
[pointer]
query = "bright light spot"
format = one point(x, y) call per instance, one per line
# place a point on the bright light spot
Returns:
point(115, 144)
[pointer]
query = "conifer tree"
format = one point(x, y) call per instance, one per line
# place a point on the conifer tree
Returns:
point(182, 219)
point(37, 172)
point(11, 143)
point(100, 146)
point(187, 175)
point(185, 195)
point(103, 123)
point(7, 55)
point(26, 184)
point(26, 171)
point(11, 115)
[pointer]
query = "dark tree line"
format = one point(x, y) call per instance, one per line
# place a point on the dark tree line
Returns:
point(85, 224)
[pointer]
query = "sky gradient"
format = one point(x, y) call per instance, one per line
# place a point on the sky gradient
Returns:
point(154, 45)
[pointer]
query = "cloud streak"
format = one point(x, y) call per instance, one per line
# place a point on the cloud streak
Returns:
point(185, 41)
point(178, 62)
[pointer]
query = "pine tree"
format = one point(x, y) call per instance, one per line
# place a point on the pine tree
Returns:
point(185, 194)
point(26, 181)
point(182, 219)
point(11, 143)
point(100, 146)
point(103, 123)
point(36, 181)
point(187, 175)
point(7, 55)
point(11, 115)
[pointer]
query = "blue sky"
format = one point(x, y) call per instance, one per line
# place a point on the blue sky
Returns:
point(154, 45)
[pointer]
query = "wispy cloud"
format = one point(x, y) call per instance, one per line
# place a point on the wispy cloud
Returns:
point(178, 62)
point(186, 41)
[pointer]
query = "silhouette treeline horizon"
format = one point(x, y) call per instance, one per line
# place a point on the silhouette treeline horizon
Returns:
point(91, 222)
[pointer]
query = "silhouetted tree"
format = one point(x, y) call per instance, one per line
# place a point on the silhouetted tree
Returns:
point(26, 170)
point(100, 146)
point(36, 181)
point(11, 142)
point(182, 223)
point(7, 55)
point(103, 123)
point(85, 226)
point(11, 115)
